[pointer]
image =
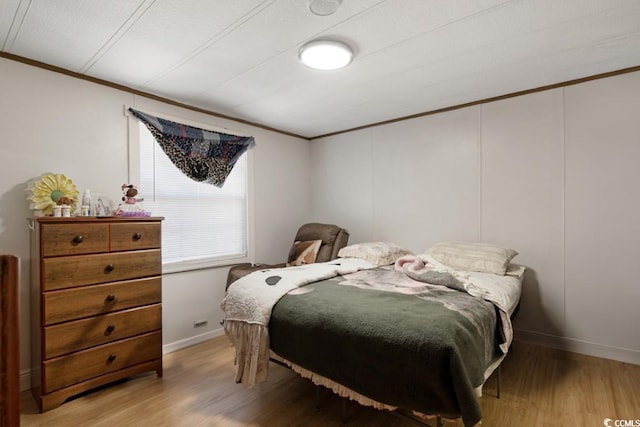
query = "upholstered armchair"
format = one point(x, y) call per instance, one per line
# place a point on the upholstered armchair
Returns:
point(322, 240)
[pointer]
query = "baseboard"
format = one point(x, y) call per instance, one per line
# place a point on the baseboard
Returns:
point(25, 379)
point(187, 342)
point(578, 346)
point(25, 375)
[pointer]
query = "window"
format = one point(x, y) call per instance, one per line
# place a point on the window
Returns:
point(204, 225)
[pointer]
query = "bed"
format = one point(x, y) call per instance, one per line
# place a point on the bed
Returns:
point(414, 334)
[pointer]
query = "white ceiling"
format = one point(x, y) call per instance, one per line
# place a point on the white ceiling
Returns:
point(239, 58)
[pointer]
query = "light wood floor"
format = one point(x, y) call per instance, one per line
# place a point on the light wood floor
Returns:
point(540, 387)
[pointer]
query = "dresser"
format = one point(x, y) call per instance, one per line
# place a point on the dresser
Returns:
point(96, 303)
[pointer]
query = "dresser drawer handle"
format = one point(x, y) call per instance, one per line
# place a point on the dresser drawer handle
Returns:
point(109, 268)
point(110, 329)
point(137, 236)
point(111, 358)
point(111, 298)
point(78, 239)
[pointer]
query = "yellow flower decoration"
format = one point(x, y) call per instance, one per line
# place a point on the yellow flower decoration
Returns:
point(46, 193)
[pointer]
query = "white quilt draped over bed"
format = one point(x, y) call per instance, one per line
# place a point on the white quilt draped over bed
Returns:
point(250, 300)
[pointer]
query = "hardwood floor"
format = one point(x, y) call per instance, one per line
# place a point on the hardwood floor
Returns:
point(540, 387)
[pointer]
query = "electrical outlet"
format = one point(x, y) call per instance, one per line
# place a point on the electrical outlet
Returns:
point(199, 323)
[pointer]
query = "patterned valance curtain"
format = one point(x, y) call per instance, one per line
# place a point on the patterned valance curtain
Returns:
point(203, 155)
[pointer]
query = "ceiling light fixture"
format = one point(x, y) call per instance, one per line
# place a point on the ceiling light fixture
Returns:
point(325, 55)
point(324, 7)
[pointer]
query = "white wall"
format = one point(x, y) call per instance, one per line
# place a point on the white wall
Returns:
point(522, 198)
point(552, 174)
point(55, 123)
point(412, 183)
point(602, 212)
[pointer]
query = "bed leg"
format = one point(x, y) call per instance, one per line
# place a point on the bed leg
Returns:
point(439, 421)
point(318, 397)
point(343, 409)
point(499, 379)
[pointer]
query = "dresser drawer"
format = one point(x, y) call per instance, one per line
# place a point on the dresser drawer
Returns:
point(86, 333)
point(134, 236)
point(74, 238)
point(83, 365)
point(70, 271)
point(99, 299)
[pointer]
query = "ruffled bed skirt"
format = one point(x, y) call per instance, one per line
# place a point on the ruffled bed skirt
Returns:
point(251, 342)
point(346, 392)
point(338, 389)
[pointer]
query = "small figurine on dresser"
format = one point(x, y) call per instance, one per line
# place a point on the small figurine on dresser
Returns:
point(129, 205)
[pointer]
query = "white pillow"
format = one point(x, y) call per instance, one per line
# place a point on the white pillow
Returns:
point(482, 257)
point(378, 253)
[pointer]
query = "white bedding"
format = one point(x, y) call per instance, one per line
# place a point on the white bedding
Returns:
point(503, 291)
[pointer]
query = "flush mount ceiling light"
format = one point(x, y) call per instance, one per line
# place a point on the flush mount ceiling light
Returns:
point(324, 7)
point(325, 55)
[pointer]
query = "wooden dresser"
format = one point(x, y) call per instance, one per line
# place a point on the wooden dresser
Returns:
point(96, 303)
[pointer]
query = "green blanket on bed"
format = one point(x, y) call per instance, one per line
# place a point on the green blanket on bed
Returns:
point(424, 349)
